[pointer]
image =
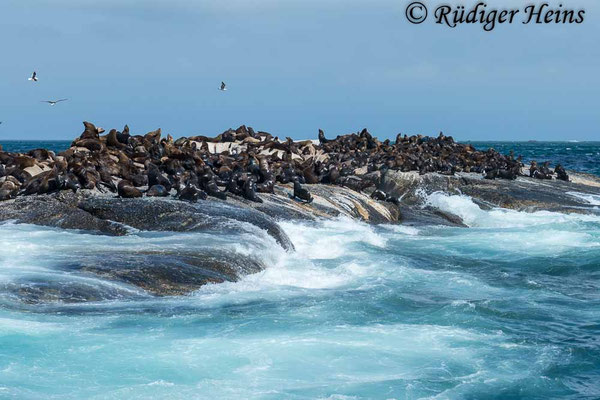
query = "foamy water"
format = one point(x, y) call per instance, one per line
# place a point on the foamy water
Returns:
point(507, 308)
point(589, 198)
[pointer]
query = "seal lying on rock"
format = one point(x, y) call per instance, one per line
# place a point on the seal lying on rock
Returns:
point(157, 191)
point(301, 192)
point(192, 194)
point(9, 187)
point(127, 190)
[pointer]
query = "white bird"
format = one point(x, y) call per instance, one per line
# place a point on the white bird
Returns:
point(53, 102)
point(223, 87)
point(33, 77)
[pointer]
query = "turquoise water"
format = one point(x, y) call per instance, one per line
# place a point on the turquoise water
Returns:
point(507, 309)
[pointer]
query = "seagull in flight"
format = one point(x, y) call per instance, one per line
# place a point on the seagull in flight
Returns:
point(33, 77)
point(53, 102)
point(223, 87)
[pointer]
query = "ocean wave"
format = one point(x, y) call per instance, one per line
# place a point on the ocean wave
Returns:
point(356, 311)
point(591, 199)
point(473, 216)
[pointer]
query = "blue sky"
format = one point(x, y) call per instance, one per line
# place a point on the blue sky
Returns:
point(292, 67)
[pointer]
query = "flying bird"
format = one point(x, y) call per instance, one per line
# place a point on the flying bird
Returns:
point(223, 87)
point(33, 77)
point(53, 102)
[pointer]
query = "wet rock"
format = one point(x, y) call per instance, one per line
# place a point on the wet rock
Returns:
point(523, 194)
point(40, 290)
point(172, 215)
point(100, 275)
point(58, 210)
point(167, 273)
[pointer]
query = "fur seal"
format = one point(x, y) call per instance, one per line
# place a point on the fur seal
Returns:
point(71, 182)
point(155, 177)
point(127, 190)
point(249, 190)
point(90, 131)
point(9, 188)
point(123, 137)
point(192, 194)
point(233, 185)
point(302, 193)
point(322, 139)
point(213, 190)
point(157, 191)
point(112, 140)
point(561, 174)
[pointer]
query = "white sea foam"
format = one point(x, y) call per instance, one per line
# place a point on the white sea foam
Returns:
point(502, 231)
point(402, 229)
point(331, 238)
point(27, 327)
point(317, 244)
point(591, 199)
point(472, 215)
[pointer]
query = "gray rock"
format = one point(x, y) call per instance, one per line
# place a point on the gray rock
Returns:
point(100, 275)
point(169, 273)
point(57, 210)
point(178, 216)
point(522, 194)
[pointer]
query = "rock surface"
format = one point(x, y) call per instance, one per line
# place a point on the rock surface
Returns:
point(522, 194)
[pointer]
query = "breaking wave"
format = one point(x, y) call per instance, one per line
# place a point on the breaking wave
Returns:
point(503, 309)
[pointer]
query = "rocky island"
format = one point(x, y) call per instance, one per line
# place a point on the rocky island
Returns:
point(115, 182)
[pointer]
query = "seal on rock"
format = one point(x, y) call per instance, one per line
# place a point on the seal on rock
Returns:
point(157, 191)
point(192, 194)
point(302, 193)
point(127, 190)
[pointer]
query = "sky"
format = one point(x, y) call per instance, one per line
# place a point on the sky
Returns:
point(293, 67)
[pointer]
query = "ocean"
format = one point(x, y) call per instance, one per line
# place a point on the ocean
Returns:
point(506, 309)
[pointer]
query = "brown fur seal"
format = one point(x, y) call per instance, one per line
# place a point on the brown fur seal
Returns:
point(127, 190)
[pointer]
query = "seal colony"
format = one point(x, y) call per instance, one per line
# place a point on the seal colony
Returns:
point(242, 163)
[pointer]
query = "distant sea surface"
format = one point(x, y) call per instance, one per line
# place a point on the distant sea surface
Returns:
point(577, 156)
point(23, 146)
